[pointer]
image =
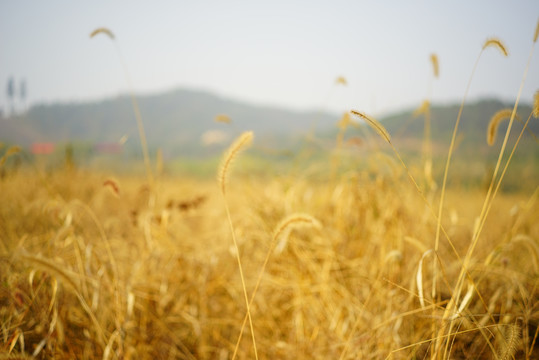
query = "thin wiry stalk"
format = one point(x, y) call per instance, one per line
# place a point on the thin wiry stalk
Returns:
point(247, 302)
point(488, 200)
point(285, 224)
point(138, 117)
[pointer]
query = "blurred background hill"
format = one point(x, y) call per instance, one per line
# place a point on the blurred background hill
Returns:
point(183, 122)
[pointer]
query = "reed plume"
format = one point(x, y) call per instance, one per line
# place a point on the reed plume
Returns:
point(495, 121)
point(508, 342)
point(437, 347)
point(241, 143)
point(435, 66)
point(292, 221)
point(341, 80)
point(223, 119)
point(423, 109)
point(379, 128)
point(11, 151)
point(102, 30)
point(536, 35)
point(113, 185)
point(494, 42)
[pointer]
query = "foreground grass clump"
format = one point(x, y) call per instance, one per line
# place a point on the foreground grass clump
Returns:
point(90, 268)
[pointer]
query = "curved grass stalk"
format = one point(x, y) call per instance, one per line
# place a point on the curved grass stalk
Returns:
point(484, 212)
point(287, 223)
point(243, 141)
point(136, 110)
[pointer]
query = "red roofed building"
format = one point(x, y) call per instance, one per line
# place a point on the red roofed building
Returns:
point(108, 148)
point(42, 148)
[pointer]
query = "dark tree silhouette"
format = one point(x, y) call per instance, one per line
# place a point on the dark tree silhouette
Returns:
point(11, 93)
point(23, 94)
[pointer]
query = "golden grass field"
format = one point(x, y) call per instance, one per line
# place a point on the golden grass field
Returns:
point(89, 273)
point(358, 264)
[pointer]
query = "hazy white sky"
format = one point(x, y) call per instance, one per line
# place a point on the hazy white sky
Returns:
point(285, 53)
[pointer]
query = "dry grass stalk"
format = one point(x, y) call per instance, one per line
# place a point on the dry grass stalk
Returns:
point(11, 151)
point(113, 186)
point(423, 109)
point(102, 30)
point(292, 221)
point(536, 105)
point(327, 278)
point(532, 248)
point(346, 121)
point(240, 144)
point(316, 290)
point(341, 80)
point(136, 109)
point(69, 278)
point(419, 279)
point(379, 128)
point(495, 42)
point(15, 356)
point(222, 118)
point(491, 194)
point(437, 351)
point(504, 114)
point(536, 35)
point(508, 341)
point(66, 275)
point(435, 65)
point(465, 301)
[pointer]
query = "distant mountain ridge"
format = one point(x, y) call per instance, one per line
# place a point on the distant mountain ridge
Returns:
point(172, 120)
point(177, 120)
point(473, 125)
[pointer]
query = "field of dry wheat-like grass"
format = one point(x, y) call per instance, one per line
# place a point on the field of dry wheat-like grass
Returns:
point(378, 262)
point(94, 267)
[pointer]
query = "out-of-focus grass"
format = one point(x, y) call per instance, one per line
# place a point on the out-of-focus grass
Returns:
point(86, 273)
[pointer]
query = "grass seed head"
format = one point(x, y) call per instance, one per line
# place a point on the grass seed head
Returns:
point(290, 222)
point(240, 144)
point(423, 109)
point(222, 118)
point(507, 343)
point(102, 30)
point(11, 151)
point(435, 65)
point(536, 35)
point(113, 186)
point(379, 128)
point(494, 42)
point(495, 121)
point(341, 80)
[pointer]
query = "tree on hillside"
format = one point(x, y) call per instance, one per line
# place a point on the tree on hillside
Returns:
point(23, 93)
point(11, 93)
